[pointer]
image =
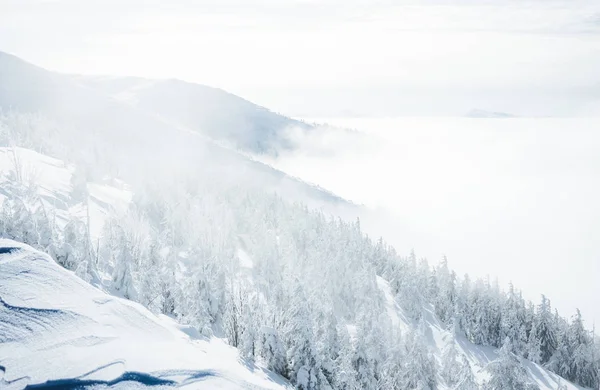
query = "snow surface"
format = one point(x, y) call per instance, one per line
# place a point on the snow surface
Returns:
point(56, 327)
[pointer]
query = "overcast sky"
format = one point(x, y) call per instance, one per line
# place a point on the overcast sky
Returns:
point(331, 57)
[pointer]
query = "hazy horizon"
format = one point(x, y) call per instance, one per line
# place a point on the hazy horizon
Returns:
point(332, 58)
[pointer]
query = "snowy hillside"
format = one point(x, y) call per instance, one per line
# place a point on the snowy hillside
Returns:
point(445, 342)
point(112, 345)
point(104, 104)
point(157, 225)
point(58, 330)
point(210, 111)
point(53, 113)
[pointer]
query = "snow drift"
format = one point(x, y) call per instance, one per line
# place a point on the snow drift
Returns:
point(57, 330)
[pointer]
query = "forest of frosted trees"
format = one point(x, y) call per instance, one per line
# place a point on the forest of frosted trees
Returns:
point(289, 286)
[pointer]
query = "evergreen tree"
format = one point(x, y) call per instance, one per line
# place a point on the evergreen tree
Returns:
point(450, 364)
point(546, 333)
point(465, 380)
point(150, 284)
point(507, 373)
point(582, 367)
point(303, 369)
point(122, 280)
point(248, 339)
point(534, 347)
point(446, 286)
point(560, 361)
point(362, 364)
point(420, 367)
point(272, 351)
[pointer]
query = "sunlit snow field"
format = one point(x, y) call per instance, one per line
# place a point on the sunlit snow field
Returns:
point(516, 198)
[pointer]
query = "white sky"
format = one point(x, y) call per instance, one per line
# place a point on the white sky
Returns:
point(352, 56)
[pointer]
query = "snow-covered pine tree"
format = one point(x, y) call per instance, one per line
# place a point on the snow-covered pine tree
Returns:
point(345, 375)
point(546, 330)
point(149, 284)
point(450, 369)
point(420, 368)
point(445, 300)
point(507, 373)
point(249, 336)
point(45, 224)
point(303, 368)
point(580, 345)
point(534, 346)
point(393, 368)
point(513, 320)
point(117, 257)
point(560, 361)
point(362, 363)
point(329, 347)
point(463, 310)
point(71, 251)
point(408, 288)
point(272, 350)
point(465, 378)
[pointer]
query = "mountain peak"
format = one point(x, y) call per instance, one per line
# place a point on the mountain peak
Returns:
point(478, 113)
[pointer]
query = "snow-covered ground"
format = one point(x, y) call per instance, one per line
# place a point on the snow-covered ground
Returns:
point(56, 327)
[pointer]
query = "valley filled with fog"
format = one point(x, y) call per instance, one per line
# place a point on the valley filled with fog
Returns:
point(513, 198)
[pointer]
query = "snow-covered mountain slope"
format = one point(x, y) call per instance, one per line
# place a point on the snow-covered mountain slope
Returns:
point(56, 330)
point(211, 111)
point(204, 240)
point(439, 338)
point(106, 332)
point(94, 128)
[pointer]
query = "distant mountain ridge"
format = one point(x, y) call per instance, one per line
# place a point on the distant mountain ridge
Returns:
point(94, 116)
point(213, 112)
point(477, 113)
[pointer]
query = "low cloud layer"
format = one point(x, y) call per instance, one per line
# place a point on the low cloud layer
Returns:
point(513, 198)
